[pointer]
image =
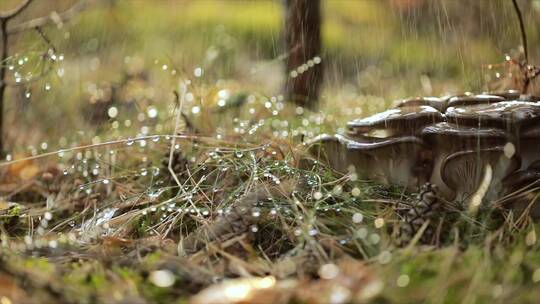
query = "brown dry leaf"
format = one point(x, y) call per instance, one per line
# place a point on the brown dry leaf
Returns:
point(28, 172)
point(4, 205)
point(24, 170)
point(11, 292)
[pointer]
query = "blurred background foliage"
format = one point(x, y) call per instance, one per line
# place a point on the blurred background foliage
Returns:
point(374, 52)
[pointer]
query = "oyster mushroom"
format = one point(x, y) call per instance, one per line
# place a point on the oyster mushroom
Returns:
point(395, 122)
point(514, 95)
point(447, 139)
point(507, 115)
point(334, 151)
point(507, 95)
point(466, 100)
point(477, 174)
point(403, 161)
point(435, 102)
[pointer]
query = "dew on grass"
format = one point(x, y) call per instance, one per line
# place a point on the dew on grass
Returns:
point(403, 280)
point(152, 112)
point(112, 112)
point(374, 238)
point(379, 222)
point(256, 212)
point(357, 218)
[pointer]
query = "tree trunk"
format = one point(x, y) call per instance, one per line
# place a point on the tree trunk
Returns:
point(3, 85)
point(303, 45)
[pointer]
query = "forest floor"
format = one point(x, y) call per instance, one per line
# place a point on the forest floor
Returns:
point(106, 222)
point(91, 212)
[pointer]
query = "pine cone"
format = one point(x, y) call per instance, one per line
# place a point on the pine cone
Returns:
point(426, 207)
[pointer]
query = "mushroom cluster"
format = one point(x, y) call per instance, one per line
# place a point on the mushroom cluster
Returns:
point(469, 146)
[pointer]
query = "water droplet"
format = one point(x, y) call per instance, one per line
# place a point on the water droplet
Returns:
point(48, 216)
point(403, 280)
point(152, 112)
point(357, 218)
point(130, 142)
point(112, 112)
point(379, 222)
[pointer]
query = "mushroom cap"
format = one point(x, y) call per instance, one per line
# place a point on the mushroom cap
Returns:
point(507, 95)
point(504, 114)
point(444, 132)
point(378, 143)
point(435, 102)
point(521, 178)
point(463, 170)
point(514, 95)
point(404, 120)
point(465, 100)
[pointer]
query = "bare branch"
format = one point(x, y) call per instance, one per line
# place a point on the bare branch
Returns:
point(4, 16)
point(54, 17)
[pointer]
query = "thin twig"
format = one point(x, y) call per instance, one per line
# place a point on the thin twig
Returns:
point(522, 29)
point(178, 108)
point(4, 16)
point(109, 143)
point(54, 17)
point(45, 38)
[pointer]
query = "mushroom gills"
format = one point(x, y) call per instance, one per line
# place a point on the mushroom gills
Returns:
point(447, 139)
point(333, 150)
point(464, 172)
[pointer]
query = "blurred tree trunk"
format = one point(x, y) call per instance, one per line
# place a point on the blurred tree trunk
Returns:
point(303, 44)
